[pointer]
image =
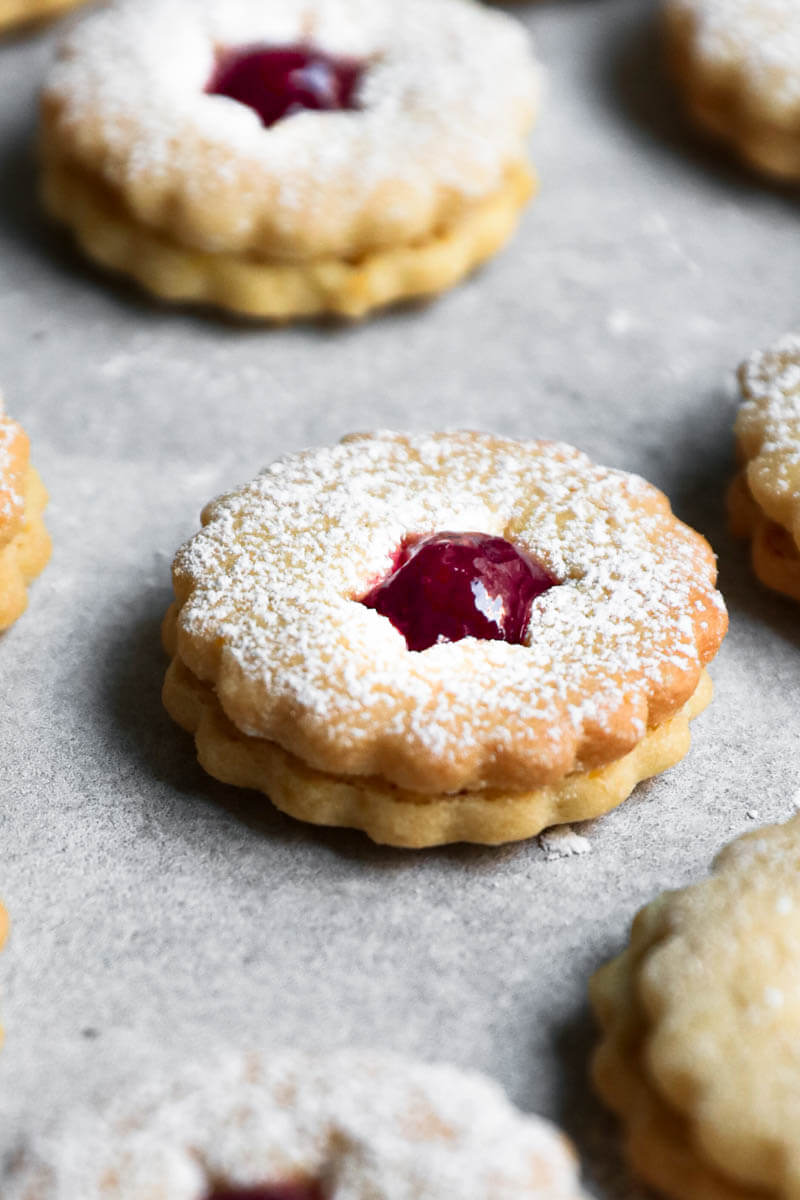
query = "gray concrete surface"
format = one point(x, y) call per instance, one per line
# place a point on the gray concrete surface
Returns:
point(155, 910)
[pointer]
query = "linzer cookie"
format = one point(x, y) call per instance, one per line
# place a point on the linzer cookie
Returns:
point(24, 543)
point(349, 1126)
point(299, 156)
point(764, 500)
point(454, 637)
point(25, 12)
point(738, 65)
point(701, 1028)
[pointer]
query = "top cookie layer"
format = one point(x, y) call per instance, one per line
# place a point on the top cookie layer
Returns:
point(446, 99)
point(720, 985)
point(270, 615)
point(13, 466)
point(370, 1127)
point(747, 50)
point(768, 430)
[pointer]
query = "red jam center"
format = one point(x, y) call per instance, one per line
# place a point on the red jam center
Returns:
point(278, 81)
point(270, 1191)
point(455, 585)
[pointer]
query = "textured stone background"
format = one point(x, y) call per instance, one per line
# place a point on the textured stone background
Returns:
point(154, 910)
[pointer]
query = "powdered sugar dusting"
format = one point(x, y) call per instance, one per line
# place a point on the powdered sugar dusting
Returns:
point(758, 39)
point(446, 99)
point(271, 616)
point(370, 1127)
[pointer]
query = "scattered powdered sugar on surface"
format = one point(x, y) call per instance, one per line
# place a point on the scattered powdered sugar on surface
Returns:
point(446, 100)
point(768, 423)
point(369, 1127)
point(563, 842)
point(270, 593)
point(760, 39)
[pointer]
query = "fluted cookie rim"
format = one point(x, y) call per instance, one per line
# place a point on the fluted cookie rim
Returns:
point(276, 290)
point(774, 554)
point(439, 127)
point(332, 682)
point(411, 820)
point(767, 430)
point(26, 555)
point(658, 1140)
point(14, 461)
point(370, 1122)
point(680, 1131)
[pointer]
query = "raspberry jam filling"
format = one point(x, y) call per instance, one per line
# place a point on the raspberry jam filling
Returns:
point(270, 1191)
point(278, 81)
point(454, 585)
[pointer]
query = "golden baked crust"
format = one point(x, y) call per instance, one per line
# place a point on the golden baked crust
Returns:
point(447, 99)
point(773, 551)
point(26, 554)
point(701, 1020)
point(14, 453)
point(24, 542)
point(738, 65)
point(269, 613)
point(281, 290)
point(764, 499)
point(24, 12)
point(392, 816)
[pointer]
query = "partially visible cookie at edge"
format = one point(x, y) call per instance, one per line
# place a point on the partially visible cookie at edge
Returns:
point(351, 1125)
point(24, 541)
point(385, 160)
point(16, 13)
point(737, 63)
point(764, 499)
point(700, 1019)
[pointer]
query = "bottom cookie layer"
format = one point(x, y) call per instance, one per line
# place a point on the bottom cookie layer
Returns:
point(775, 556)
point(26, 555)
point(413, 820)
point(276, 290)
point(768, 148)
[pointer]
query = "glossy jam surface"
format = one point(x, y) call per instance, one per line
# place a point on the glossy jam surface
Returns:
point(278, 81)
point(270, 1191)
point(454, 585)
